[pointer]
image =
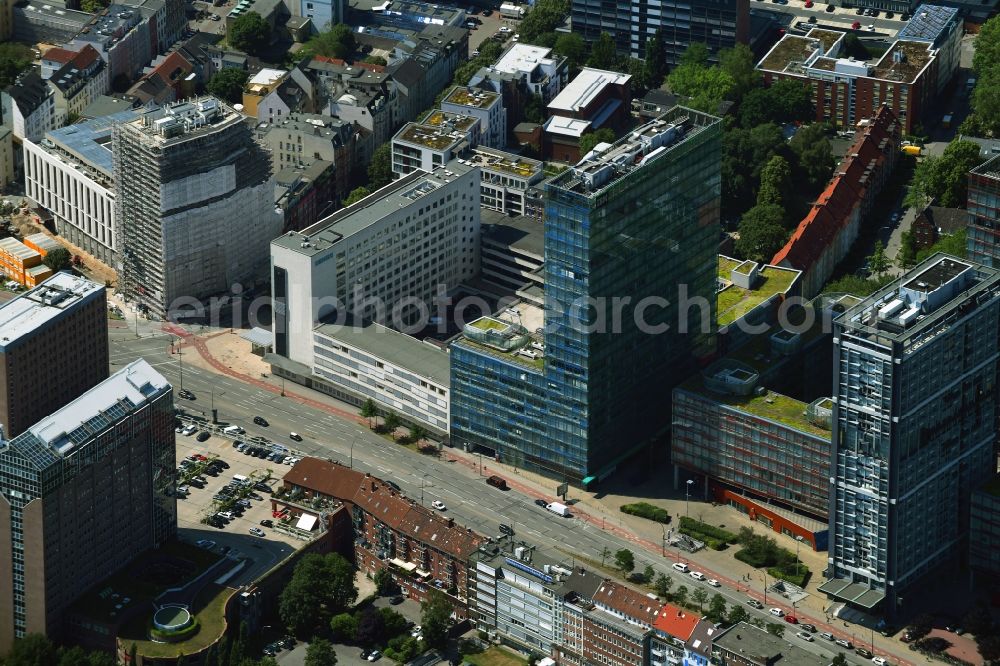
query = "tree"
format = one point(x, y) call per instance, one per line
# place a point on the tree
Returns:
point(737, 614)
point(376, 60)
point(625, 560)
point(393, 624)
point(239, 649)
point(32, 650)
point(344, 627)
point(776, 629)
point(418, 433)
point(93, 6)
point(813, 154)
point(680, 596)
point(391, 423)
point(369, 410)
point(370, 627)
point(775, 181)
point(320, 653)
point(591, 139)
point(782, 102)
point(877, 261)
point(356, 195)
point(648, 574)
point(605, 554)
point(987, 53)
point(839, 660)
point(738, 62)
point(571, 46)
point(706, 86)
point(337, 42)
point(656, 60)
point(695, 54)
point(544, 17)
point(745, 152)
point(989, 647)
point(435, 612)
point(699, 596)
point(227, 84)
point(717, 608)
point(944, 178)
point(907, 250)
point(853, 48)
point(985, 101)
point(380, 169)
point(761, 233)
point(250, 33)
point(384, 582)
point(603, 53)
point(978, 621)
point(663, 584)
point(58, 259)
point(534, 110)
point(321, 586)
point(14, 59)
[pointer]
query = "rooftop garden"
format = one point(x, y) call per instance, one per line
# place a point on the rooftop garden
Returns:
point(487, 324)
point(209, 623)
point(471, 97)
point(427, 135)
point(440, 118)
point(733, 302)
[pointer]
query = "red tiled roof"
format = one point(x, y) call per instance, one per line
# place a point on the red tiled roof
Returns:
point(370, 66)
point(627, 601)
point(57, 54)
point(86, 57)
point(325, 477)
point(676, 622)
point(335, 61)
point(174, 62)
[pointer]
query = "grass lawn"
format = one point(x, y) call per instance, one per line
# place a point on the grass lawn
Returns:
point(495, 657)
point(486, 324)
point(209, 609)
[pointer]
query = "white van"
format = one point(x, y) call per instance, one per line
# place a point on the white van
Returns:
point(558, 509)
point(239, 478)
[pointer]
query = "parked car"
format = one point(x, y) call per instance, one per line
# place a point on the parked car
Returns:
point(190, 430)
point(776, 612)
point(680, 566)
point(203, 436)
point(753, 603)
point(805, 635)
point(375, 655)
point(439, 505)
point(396, 600)
point(862, 652)
point(542, 503)
point(791, 619)
point(828, 636)
point(808, 627)
point(697, 575)
point(844, 643)
point(713, 582)
point(879, 661)
point(267, 522)
point(256, 531)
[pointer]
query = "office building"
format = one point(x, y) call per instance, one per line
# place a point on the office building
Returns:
point(46, 23)
point(54, 347)
point(194, 204)
point(507, 180)
point(542, 72)
point(487, 107)
point(984, 530)
point(567, 396)
point(86, 490)
point(433, 142)
point(594, 99)
point(914, 426)
point(69, 174)
point(908, 78)
point(983, 230)
point(389, 257)
point(719, 24)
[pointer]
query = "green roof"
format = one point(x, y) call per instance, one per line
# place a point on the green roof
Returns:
point(734, 302)
point(532, 363)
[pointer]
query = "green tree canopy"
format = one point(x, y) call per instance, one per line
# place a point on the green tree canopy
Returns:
point(775, 628)
point(93, 6)
point(878, 262)
point(987, 54)
point(418, 433)
point(717, 608)
point(625, 560)
point(356, 195)
point(695, 54)
point(656, 60)
point(944, 178)
point(344, 627)
point(814, 155)
point(775, 181)
point(738, 62)
point(250, 33)
point(544, 17)
point(744, 154)
point(58, 259)
point(435, 613)
point(337, 42)
point(591, 139)
point(320, 653)
point(392, 421)
point(14, 59)
point(985, 101)
point(700, 596)
point(375, 60)
point(227, 84)
point(782, 102)
point(603, 53)
point(571, 46)
point(380, 169)
point(321, 586)
point(839, 660)
point(706, 86)
point(762, 233)
point(737, 614)
point(663, 584)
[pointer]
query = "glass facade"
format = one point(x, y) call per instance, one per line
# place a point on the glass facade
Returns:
point(983, 230)
point(630, 268)
point(914, 428)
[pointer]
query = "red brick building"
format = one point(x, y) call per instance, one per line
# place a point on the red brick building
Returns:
point(595, 99)
point(422, 549)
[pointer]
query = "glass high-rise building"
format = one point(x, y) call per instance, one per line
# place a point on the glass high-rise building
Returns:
point(631, 237)
point(983, 231)
point(914, 428)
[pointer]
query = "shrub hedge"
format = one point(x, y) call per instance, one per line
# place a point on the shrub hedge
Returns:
point(647, 510)
point(705, 532)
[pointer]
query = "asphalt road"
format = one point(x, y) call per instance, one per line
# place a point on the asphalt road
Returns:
point(796, 11)
point(467, 497)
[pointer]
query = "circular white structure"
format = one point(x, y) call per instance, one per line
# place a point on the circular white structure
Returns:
point(172, 618)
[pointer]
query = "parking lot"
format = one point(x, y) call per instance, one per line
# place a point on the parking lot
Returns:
point(488, 27)
point(234, 537)
point(203, 20)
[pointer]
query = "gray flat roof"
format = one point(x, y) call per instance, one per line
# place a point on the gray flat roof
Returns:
point(403, 193)
point(37, 307)
point(517, 232)
point(399, 349)
point(90, 141)
point(754, 643)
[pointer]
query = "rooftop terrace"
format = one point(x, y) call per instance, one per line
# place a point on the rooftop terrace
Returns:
point(497, 160)
point(734, 302)
point(430, 136)
point(472, 97)
point(790, 51)
point(903, 61)
point(458, 121)
point(513, 335)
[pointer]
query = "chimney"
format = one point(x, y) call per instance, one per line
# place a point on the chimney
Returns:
point(374, 486)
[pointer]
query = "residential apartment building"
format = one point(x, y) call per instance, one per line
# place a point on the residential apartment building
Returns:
point(507, 179)
point(434, 142)
point(303, 193)
point(672, 632)
point(194, 204)
point(942, 27)
point(28, 107)
point(171, 77)
point(69, 174)
point(594, 99)
point(388, 258)
point(555, 395)
point(903, 471)
point(485, 106)
point(302, 138)
point(908, 77)
point(357, 361)
point(273, 94)
point(719, 24)
point(825, 235)
point(324, 14)
point(520, 73)
point(369, 99)
point(421, 548)
point(58, 329)
point(79, 82)
point(983, 230)
point(984, 530)
point(86, 489)
point(125, 38)
point(745, 644)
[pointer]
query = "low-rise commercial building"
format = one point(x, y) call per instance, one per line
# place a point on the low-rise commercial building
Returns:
point(55, 546)
point(744, 644)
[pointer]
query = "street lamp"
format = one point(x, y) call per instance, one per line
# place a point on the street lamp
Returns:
point(422, 487)
point(663, 544)
point(798, 563)
point(765, 586)
point(687, 497)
